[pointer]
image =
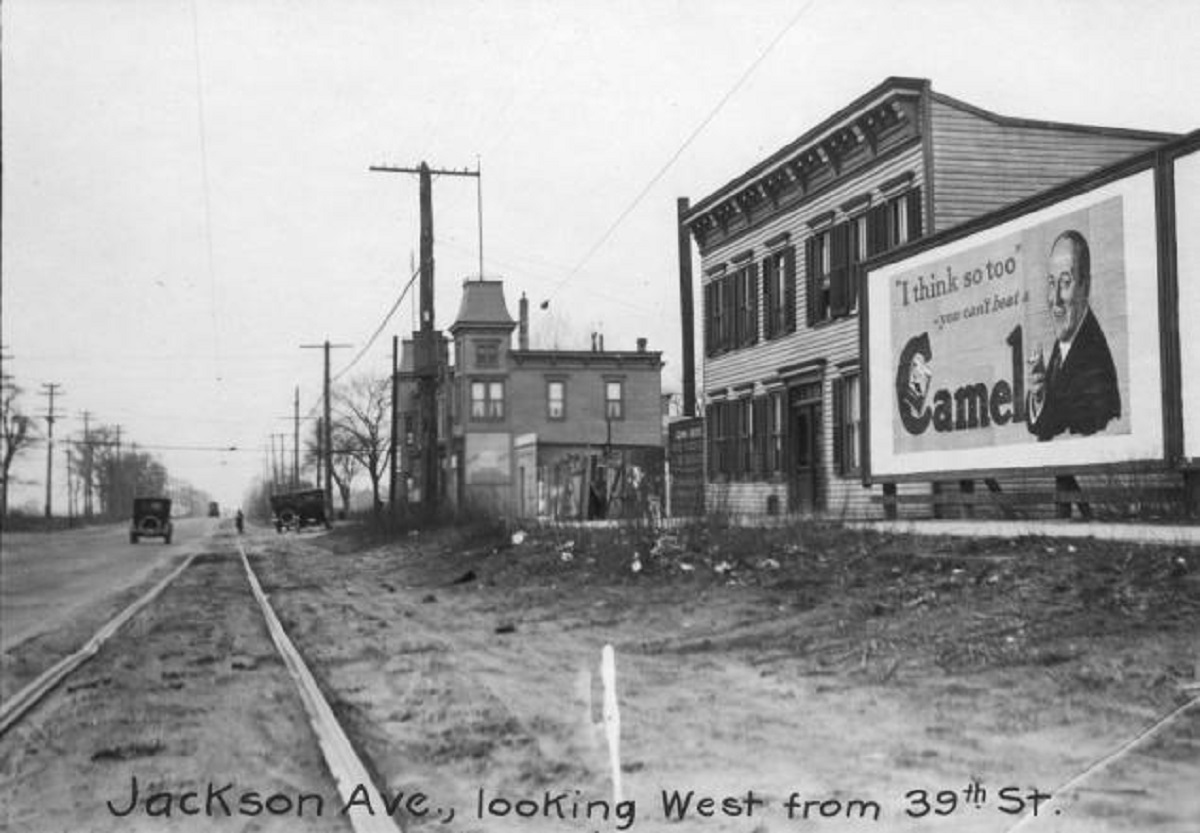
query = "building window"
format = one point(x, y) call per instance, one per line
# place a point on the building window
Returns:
point(731, 310)
point(487, 354)
point(818, 263)
point(717, 422)
point(895, 222)
point(487, 401)
point(614, 399)
point(779, 293)
point(556, 400)
point(860, 250)
point(832, 256)
point(775, 427)
point(847, 424)
point(744, 410)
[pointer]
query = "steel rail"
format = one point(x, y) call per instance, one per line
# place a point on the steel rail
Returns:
point(16, 706)
point(343, 762)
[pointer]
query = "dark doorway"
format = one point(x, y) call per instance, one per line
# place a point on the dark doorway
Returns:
point(804, 464)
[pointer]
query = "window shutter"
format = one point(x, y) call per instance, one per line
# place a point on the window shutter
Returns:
point(839, 262)
point(710, 437)
point(735, 437)
point(914, 214)
point(708, 319)
point(761, 433)
point(728, 312)
point(810, 279)
point(769, 301)
point(752, 276)
point(789, 290)
point(856, 228)
point(877, 230)
point(839, 417)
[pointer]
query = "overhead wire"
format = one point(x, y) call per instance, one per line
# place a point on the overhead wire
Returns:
point(212, 280)
point(379, 329)
point(762, 56)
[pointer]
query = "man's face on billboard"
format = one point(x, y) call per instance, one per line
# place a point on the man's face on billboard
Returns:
point(1067, 296)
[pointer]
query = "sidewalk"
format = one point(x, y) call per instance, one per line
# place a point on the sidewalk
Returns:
point(1137, 533)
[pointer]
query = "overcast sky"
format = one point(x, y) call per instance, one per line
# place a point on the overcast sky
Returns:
point(186, 195)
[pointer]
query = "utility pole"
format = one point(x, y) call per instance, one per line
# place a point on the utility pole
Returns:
point(320, 449)
point(296, 441)
point(395, 427)
point(70, 489)
point(327, 438)
point(428, 354)
point(50, 389)
point(686, 312)
point(88, 461)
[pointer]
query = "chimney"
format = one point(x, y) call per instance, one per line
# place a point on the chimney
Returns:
point(601, 342)
point(523, 326)
point(641, 343)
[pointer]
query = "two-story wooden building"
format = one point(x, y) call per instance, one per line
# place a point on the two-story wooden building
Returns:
point(545, 433)
point(779, 246)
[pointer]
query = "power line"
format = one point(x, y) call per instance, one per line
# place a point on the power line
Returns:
point(679, 152)
point(379, 329)
point(212, 280)
point(150, 447)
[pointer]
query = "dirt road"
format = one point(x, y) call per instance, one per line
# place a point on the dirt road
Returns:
point(871, 682)
point(49, 580)
point(767, 680)
point(186, 721)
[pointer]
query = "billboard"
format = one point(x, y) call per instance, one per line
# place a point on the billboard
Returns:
point(1032, 343)
point(1187, 226)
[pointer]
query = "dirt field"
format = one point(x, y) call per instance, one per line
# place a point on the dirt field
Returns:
point(866, 681)
point(845, 668)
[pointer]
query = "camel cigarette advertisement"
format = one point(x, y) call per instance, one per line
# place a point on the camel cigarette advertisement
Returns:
point(1032, 343)
point(1187, 226)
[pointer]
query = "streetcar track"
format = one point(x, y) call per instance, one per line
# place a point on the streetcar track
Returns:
point(13, 709)
point(140, 738)
point(344, 764)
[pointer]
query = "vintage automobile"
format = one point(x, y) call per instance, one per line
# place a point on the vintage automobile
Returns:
point(296, 510)
point(151, 519)
point(214, 509)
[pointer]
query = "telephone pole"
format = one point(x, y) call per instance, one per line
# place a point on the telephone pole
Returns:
point(327, 439)
point(50, 389)
point(395, 428)
point(296, 441)
point(88, 461)
point(427, 342)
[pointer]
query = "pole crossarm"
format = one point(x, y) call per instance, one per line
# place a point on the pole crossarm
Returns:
point(438, 171)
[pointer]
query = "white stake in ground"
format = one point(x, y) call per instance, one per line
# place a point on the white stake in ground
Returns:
point(612, 717)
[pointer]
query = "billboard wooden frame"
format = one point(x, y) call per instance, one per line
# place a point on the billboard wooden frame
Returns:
point(1161, 162)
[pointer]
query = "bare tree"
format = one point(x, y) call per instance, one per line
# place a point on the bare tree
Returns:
point(345, 465)
point(19, 432)
point(362, 427)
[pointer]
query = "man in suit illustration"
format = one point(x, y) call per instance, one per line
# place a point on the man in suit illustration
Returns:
point(1077, 392)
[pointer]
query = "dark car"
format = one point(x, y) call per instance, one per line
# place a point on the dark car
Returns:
point(214, 509)
point(151, 519)
point(296, 510)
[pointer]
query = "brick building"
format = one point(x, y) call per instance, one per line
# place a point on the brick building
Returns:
point(779, 245)
point(543, 433)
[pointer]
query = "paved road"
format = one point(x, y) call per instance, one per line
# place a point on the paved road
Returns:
point(45, 579)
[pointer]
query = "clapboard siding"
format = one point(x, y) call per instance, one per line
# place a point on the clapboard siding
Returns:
point(834, 341)
point(977, 162)
point(981, 164)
